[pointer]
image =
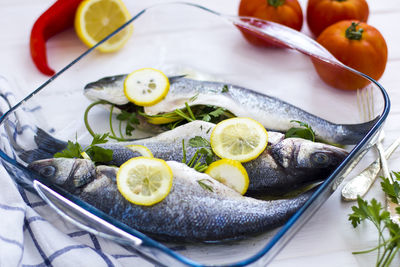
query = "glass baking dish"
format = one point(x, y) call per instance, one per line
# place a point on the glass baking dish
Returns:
point(181, 38)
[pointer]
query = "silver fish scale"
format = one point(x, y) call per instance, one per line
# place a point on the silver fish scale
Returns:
point(192, 213)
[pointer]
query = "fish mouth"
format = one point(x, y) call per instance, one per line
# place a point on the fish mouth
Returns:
point(92, 86)
point(339, 153)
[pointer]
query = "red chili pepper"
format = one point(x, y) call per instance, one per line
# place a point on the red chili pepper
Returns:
point(59, 17)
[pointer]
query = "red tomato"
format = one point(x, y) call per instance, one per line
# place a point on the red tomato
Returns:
point(286, 12)
point(323, 13)
point(357, 45)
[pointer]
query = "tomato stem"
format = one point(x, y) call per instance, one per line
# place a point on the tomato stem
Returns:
point(352, 33)
point(275, 3)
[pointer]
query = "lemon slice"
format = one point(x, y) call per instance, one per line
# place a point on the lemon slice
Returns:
point(231, 173)
point(146, 87)
point(85, 155)
point(144, 181)
point(95, 19)
point(161, 120)
point(241, 139)
point(142, 150)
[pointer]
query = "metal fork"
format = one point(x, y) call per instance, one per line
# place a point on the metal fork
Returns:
point(360, 184)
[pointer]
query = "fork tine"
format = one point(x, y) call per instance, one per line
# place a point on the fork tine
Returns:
point(365, 103)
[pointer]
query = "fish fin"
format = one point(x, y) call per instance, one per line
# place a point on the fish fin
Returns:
point(357, 131)
point(29, 156)
point(48, 143)
point(47, 147)
point(173, 79)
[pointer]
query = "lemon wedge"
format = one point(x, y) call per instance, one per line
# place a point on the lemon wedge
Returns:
point(144, 181)
point(146, 87)
point(230, 173)
point(85, 155)
point(241, 139)
point(142, 150)
point(161, 120)
point(95, 19)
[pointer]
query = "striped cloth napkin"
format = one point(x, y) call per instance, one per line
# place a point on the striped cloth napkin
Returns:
point(32, 234)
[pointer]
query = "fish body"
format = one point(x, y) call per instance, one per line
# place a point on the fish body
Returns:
point(272, 113)
point(189, 213)
point(285, 165)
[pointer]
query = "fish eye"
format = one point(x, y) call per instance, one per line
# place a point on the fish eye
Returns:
point(320, 158)
point(48, 171)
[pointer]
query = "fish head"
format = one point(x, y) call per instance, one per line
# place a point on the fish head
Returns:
point(110, 89)
point(68, 173)
point(308, 157)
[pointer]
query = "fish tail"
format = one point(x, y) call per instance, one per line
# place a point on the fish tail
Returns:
point(356, 132)
point(47, 147)
point(48, 143)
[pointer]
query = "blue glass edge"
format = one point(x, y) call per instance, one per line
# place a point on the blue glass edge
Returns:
point(149, 241)
point(325, 186)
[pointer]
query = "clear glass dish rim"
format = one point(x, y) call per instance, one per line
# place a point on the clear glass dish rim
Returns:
point(149, 241)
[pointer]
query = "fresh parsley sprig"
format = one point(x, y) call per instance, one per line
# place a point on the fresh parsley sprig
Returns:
point(388, 231)
point(96, 153)
point(392, 189)
point(131, 120)
point(129, 117)
point(204, 151)
point(189, 114)
point(304, 131)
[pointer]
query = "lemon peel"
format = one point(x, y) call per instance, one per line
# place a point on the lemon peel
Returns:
point(146, 87)
point(241, 139)
point(96, 19)
point(230, 173)
point(144, 181)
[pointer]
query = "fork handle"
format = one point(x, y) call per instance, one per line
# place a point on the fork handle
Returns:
point(360, 184)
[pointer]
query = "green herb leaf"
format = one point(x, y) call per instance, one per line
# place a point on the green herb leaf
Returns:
point(392, 190)
point(199, 141)
point(208, 154)
point(396, 175)
point(131, 121)
point(304, 131)
point(204, 185)
point(380, 218)
point(225, 88)
point(100, 139)
point(99, 154)
point(218, 112)
point(96, 153)
point(206, 117)
point(73, 150)
point(203, 153)
point(193, 98)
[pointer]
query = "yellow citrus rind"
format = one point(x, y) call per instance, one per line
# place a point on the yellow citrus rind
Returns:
point(230, 173)
point(144, 181)
point(146, 87)
point(96, 19)
point(242, 139)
